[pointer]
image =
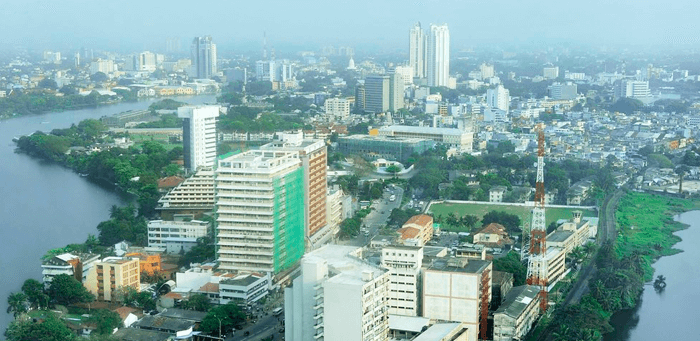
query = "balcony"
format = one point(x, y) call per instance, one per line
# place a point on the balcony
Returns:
point(318, 335)
point(319, 324)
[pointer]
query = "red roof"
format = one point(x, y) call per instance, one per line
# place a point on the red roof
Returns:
point(420, 219)
point(209, 287)
point(170, 181)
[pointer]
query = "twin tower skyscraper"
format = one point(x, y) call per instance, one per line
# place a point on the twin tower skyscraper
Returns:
point(429, 54)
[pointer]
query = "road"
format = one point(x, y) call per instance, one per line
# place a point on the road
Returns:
point(379, 216)
point(606, 232)
point(265, 327)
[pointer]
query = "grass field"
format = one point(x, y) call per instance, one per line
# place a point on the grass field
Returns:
point(479, 210)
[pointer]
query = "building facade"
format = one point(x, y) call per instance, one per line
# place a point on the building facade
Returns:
point(337, 108)
point(384, 147)
point(452, 137)
point(77, 265)
point(498, 98)
point(377, 93)
point(112, 274)
point(417, 51)
point(337, 296)
point(199, 135)
point(190, 199)
point(404, 264)
point(559, 91)
point(438, 56)
point(244, 289)
point(203, 57)
point(176, 236)
point(514, 318)
point(260, 211)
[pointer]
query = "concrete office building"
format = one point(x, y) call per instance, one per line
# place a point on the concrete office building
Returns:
point(514, 318)
point(487, 71)
point(112, 274)
point(406, 73)
point(266, 70)
point(147, 61)
point(384, 147)
point(314, 161)
point(498, 98)
point(452, 137)
point(175, 236)
point(417, 51)
point(559, 91)
point(550, 72)
point(199, 135)
point(191, 199)
point(438, 55)
point(203, 57)
point(337, 296)
point(377, 93)
point(260, 211)
point(458, 289)
point(633, 89)
point(244, 289)
point(404, 264)
point(396, 87)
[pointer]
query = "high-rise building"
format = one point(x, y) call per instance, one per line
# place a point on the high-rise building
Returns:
point(147, 61)
point(337, 296)
point(498, 98)
point(313, 156)
point(567, 90)
point(438, 53)
point(266, 70)
point(417, 52)
point(487, 71)
point(360, 98)
point(404, 264)
point(406, 73)
point(260, 211)
point(203, 57)
point(199, 135)
point(377, 93)
point(105, 66)
point(396, 87)
point(634, 89)
point(550, 72)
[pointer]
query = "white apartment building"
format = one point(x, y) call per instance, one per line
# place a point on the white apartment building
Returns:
point(416, 51)
point(199, 135)
point(266, 70)
point(458, 289)
point(404, 264)
point(487, 71)
point(438, 53)
point(190, 199)
point(147, 61)
point(105, 66)
point(406, 73)
point(559, 91)
point(337, 296)
point(498, 98)
point(634, 89)
point(337, 108)
point(550, 72)
point(260, 207)
point(175, 236)
point(244, 289)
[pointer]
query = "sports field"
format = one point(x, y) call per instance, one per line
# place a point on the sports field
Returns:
point(479, 210)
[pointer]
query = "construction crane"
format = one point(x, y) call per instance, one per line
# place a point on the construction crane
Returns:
point(537, 264)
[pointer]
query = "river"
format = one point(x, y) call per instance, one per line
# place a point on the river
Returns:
point(44, 205)
point(671, 314)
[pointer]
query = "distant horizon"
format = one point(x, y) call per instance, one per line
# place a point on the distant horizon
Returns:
point(363, 25)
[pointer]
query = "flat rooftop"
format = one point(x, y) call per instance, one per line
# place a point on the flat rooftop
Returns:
point(517, 300)
point(423, 130)
point(437, 331)
point(446, 264)
point(343, 263)
point(559, 236)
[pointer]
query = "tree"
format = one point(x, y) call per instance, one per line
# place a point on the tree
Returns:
point(65, 290)
point(199, 302)
point(510, 221)
point(34, 290)
point(104, 321)
point(47, 83)
point(511, 263)
point(627, 105)
point(17, 304)
point(49, 329)
point(171, 169)
point(227, 316)
point(99, 77)
point(68, 90)
point(659, 160)
point(393, 169)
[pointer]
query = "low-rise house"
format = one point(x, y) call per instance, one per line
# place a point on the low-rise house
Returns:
point(77, 265)
point(417, 231)
point(244, 289)
point(496, 193)
point(493, 235)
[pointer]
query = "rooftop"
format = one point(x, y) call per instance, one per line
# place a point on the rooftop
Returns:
point(453, 264)
point(420, 219)
point(134, 334)
point(343, 261)
point(438, 331)
point(244, 281)
point(408, 323)
point(190, 315)
point(517, 300)
point(559, 236)
point(422, 130)
point(163, 323)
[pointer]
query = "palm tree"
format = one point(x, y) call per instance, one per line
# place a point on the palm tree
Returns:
point(17, 304)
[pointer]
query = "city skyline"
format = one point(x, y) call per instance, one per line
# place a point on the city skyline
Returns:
point(105, 25)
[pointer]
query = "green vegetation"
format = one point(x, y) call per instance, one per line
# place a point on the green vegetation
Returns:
point(51, 328)
point(228, 316)
point(480, 210)
point(123, 224)
point(198, 302)
point(645, 224)
point(65, 290)
point(511, 263)
point(39, 102)
point(350, 227)
point(105, 321)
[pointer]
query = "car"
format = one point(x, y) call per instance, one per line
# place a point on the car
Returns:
point(247, 332)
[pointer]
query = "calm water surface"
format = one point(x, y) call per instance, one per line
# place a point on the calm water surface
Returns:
point(43, 205)
point(673, 313)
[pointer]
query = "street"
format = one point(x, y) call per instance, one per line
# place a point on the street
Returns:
point(267, 326)
point(379, 216)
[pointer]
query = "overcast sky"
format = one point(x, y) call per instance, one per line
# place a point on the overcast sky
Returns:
point(127, 25)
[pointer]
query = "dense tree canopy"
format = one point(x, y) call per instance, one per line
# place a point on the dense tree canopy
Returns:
point(48, 329)
point(65, 290)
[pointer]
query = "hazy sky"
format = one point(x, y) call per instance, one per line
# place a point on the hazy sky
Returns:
point(126, 25)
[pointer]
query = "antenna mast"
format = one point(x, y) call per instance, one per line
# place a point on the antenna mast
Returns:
point(537, 265)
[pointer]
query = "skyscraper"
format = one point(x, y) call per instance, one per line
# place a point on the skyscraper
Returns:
point(203, 57)
point(416, 53)
point(438, 53)
point(377, 93)
point(396, 87)
point(260, 211)
point(498, 98)
point(199, 135)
